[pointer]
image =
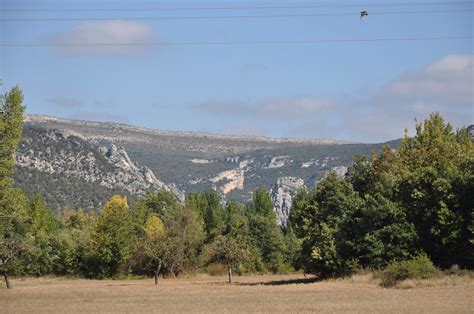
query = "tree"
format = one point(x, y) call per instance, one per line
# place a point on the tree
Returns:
point(393, 206)
point(11, 127)
point(159, 203)
point(184, 238)
point(233, 247)
point(111, 236)
point(317, 219)
point(265, 232)
point(262, 203)
point(209, 205)
point(155, 243)
point(43, 227)
point(12, 201)
point(435, 187)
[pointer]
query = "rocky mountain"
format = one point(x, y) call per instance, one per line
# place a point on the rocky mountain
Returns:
point(282, 196)
point(81, 163)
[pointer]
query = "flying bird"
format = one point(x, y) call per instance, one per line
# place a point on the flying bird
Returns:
point(363, 13)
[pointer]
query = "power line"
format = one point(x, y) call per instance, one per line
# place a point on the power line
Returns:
point(217, 43)
point(303, 6)
point(231, 16)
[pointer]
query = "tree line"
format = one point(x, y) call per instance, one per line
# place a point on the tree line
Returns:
point(394, 206)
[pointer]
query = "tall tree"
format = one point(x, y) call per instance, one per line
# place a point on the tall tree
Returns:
point(265, 232)
point(155, 245)
point(209, 205)
point(233, 247)
point(435, 181)
point(184, 238)
point(12, 201)
point(11, 127)
point(111, 236)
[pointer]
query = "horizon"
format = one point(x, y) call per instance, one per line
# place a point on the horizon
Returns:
point(359, 80)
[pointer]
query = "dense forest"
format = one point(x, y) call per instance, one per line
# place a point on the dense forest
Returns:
point(410, 206)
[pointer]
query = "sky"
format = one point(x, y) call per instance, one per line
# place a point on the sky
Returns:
point(355, 90)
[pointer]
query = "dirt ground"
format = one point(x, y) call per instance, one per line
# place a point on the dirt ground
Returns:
point(285, 293)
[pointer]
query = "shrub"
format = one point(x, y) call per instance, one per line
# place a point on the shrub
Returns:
point(217, 269)
point(419, 267)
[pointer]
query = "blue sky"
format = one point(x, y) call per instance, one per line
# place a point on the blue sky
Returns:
point(359, 91)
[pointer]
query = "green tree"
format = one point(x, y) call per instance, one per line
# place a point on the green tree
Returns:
point(184, 239)
point(318, 222)
point(13, 204)
point(435, 187)
point(43, 227)
point(111, 237)
point(233, 247)
point(155, 244)
point(209, 205)
point(11, 127)
point(265, 232)
point(160, 203)
point(12, 201)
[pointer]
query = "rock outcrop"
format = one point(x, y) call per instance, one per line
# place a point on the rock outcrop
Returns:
point(234, 178)
point(282, 196)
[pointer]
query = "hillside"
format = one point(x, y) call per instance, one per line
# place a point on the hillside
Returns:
point(58, 156)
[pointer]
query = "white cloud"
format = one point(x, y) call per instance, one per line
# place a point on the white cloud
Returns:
point(444, 86)
point(65, 102)
point(275, 109)
point(109, 32)
point(444, 83)
point(99, 116)
point(295, 107)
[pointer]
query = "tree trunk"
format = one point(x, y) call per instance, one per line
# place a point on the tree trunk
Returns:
point(157, 272)
point(229, 271)
point(7, 281)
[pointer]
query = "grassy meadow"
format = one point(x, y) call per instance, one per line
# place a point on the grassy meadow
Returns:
point(269, 293)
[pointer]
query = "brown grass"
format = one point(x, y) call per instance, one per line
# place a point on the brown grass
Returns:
point(282, 293)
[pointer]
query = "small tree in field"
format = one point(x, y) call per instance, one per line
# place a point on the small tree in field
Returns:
point(155, 243)
point(111, 236)
point(228, 249)
point(233, 247)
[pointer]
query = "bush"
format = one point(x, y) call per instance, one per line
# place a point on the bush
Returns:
point(217, 269)
point(419, 267)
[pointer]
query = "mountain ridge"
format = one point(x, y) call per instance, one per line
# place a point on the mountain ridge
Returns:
point(55, 157)
point(36, 118)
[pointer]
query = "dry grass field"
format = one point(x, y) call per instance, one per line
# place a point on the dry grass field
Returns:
point(285, 293)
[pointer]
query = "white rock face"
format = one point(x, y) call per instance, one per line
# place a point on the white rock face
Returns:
point(282, 196)
point(200, 161)
point(278, 162)
point(235, 178)
point(311, 163)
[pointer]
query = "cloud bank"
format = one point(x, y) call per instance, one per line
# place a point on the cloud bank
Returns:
point(125, 33)
point(65, 102)
point(99, 116)
point(445, 86)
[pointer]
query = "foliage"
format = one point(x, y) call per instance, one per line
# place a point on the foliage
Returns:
point(392, 206)
point(11, 126)
point(267, 236)
point(155, 245)
point(110, 239)
point(233, 247)
point(185, 237)
point(209, 205)
point(436, 181)
point(12, 201)
point(419, 267)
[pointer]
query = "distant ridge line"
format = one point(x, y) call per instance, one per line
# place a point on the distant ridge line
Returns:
point(36, 118)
